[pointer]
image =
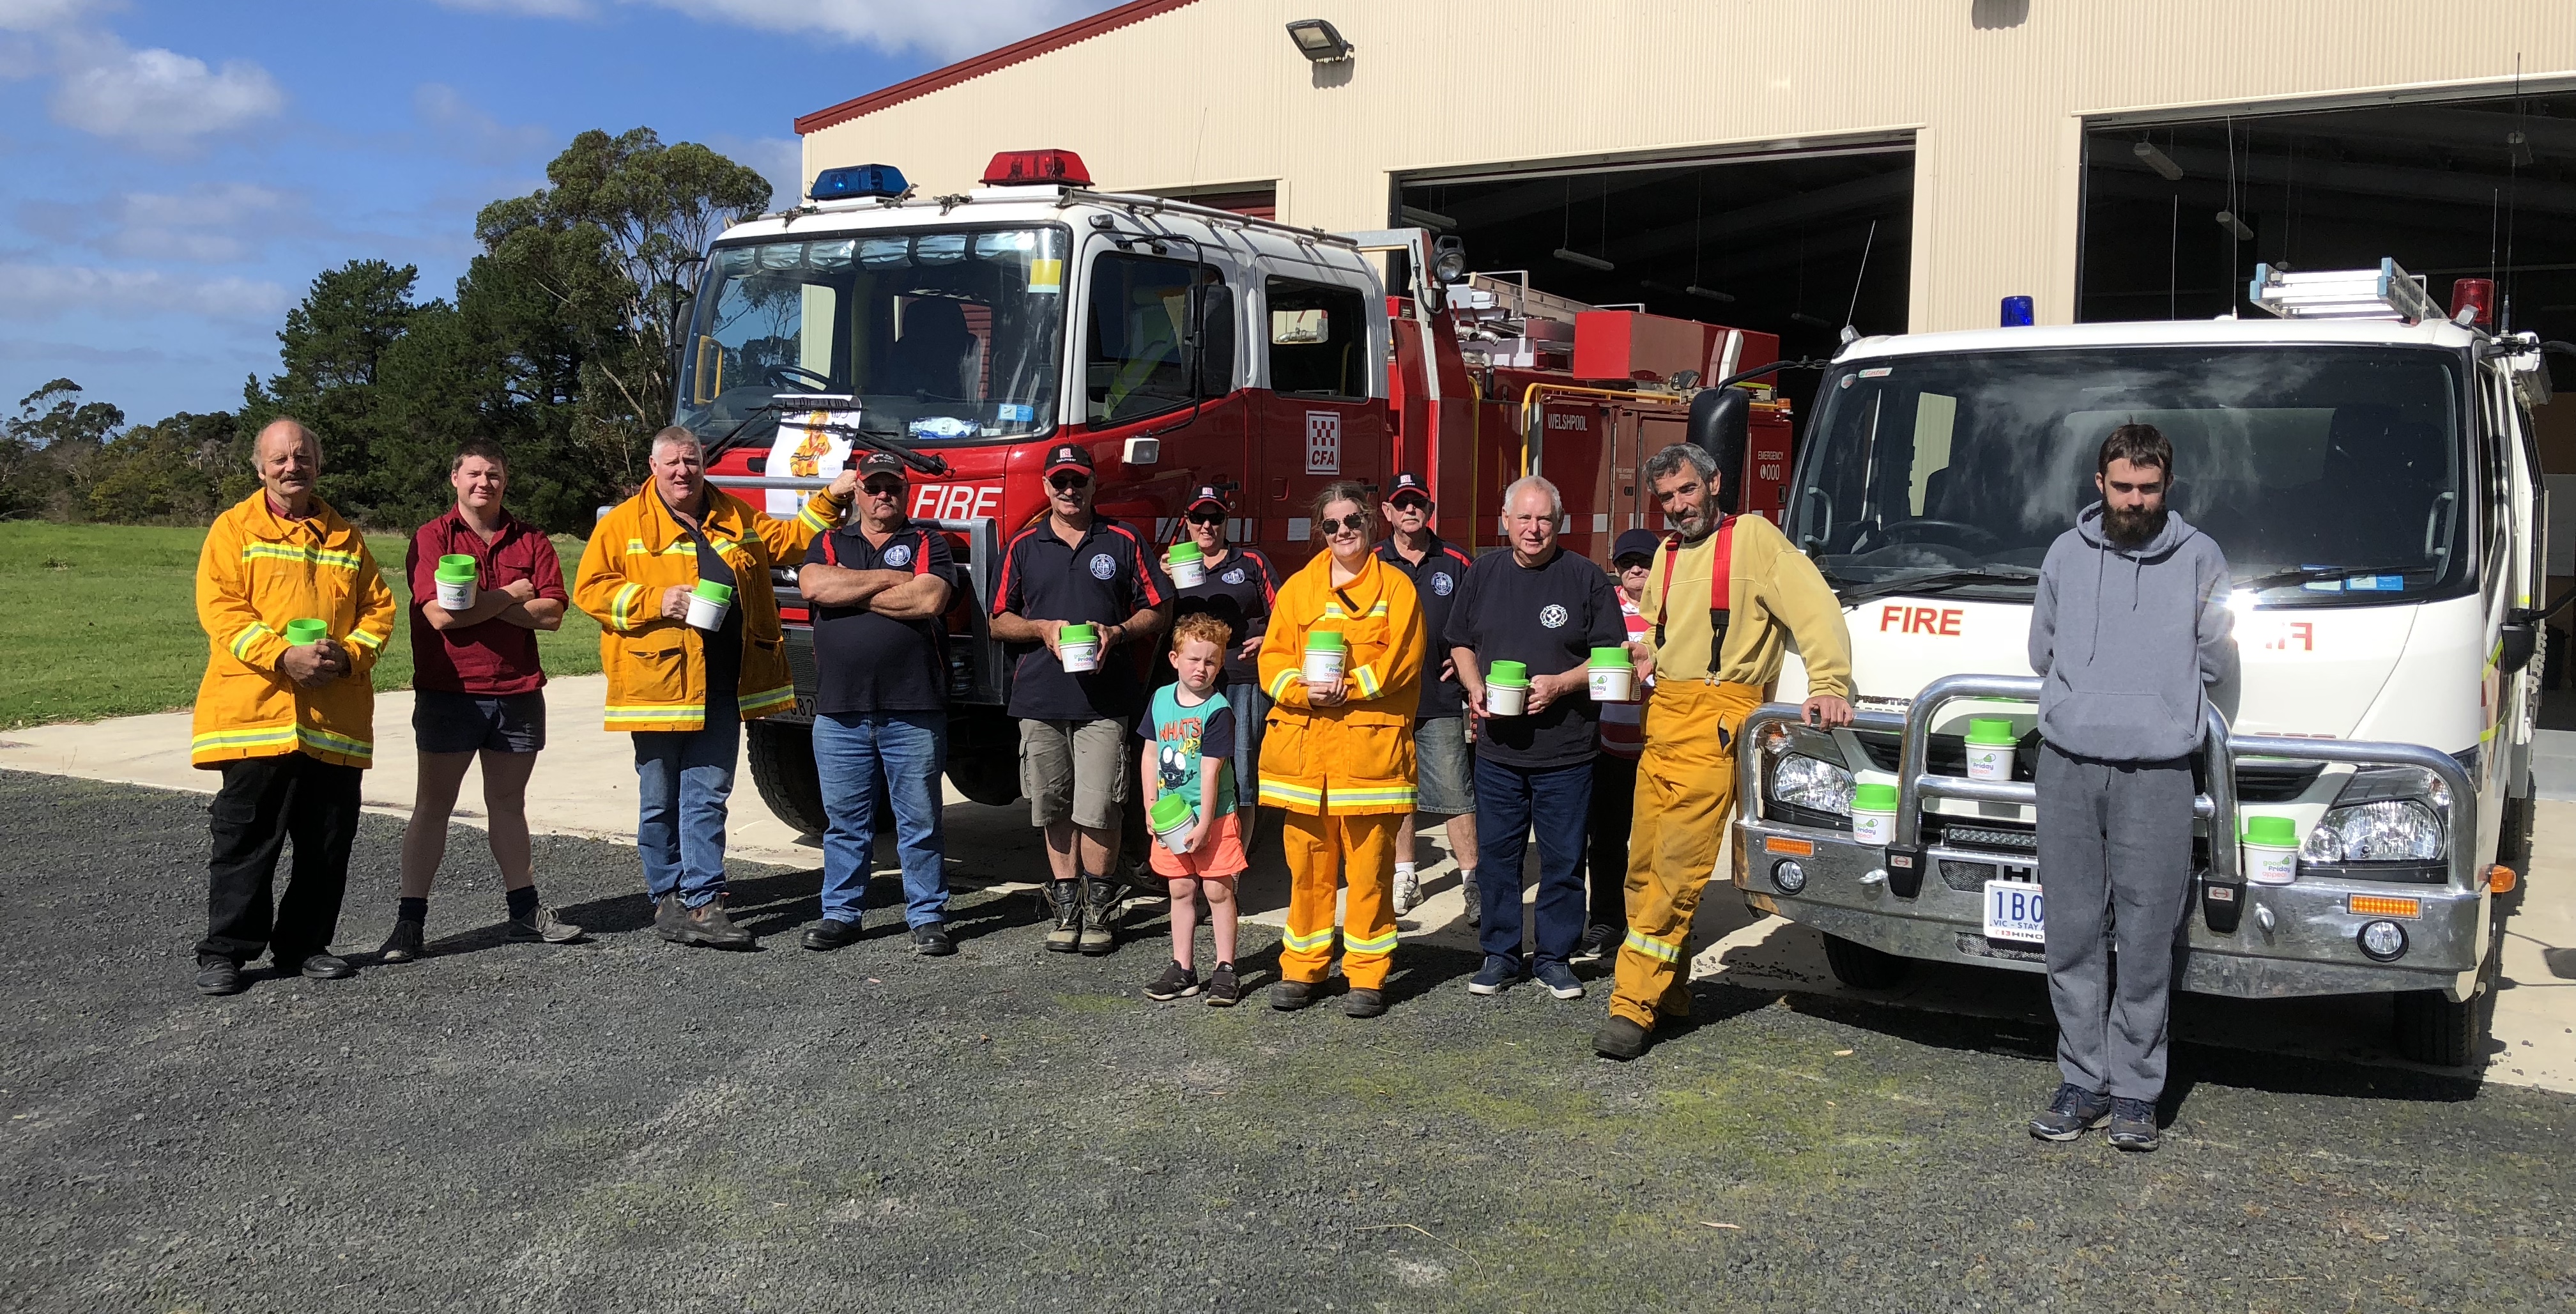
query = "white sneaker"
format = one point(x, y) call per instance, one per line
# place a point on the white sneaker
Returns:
point(1408, 891)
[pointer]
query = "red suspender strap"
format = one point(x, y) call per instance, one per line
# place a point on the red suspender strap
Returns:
point(1721, 588)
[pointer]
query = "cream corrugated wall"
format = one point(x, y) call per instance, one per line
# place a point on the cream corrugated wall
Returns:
point(1214, 93)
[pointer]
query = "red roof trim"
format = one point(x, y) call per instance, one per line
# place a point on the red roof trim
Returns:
point(1082, 29)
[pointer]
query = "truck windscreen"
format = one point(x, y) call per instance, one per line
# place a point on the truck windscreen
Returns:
point(942, 336)
point(2328, 474)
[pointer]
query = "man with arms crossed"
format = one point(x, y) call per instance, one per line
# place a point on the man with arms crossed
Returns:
point(1075, 567)
point(1723, 597)
point(878, 589)
point(478, 691)
point(2129, 627)
point(289, 721)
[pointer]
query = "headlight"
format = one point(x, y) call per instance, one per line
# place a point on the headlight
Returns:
point(2398, 830)
point(1788, 875)
point(2383, 941)
point(1811, 783)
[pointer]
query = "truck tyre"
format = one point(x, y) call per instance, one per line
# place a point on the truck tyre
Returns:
point(782, 765)
point(2513, 843)
point(2431, 1029)
point(1861, 967)
point(984, 755)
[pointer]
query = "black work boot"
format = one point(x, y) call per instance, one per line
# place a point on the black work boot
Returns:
point(404, 945)
point(1100, 898)
point(1064, 899)
point(1619, 1039)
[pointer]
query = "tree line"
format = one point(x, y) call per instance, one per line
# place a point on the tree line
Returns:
point(556, 343)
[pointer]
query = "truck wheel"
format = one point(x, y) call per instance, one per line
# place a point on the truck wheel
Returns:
point(2514, 843)
point(1861, 967)
point(2431, 1029)
point(986, 778)
point(782, 765)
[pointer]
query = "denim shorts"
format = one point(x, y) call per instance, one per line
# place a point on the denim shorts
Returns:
point(443, 722)
point(1445, 767)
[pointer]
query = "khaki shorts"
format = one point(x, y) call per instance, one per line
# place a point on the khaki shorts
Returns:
point(1075, 770)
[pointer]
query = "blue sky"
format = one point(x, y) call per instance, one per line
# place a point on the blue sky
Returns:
point(174, 172)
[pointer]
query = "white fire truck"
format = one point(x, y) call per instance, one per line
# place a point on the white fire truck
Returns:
point(2367, 463)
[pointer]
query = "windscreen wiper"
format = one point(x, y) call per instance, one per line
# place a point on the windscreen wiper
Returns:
point(2303, 574)
point(1936, 581)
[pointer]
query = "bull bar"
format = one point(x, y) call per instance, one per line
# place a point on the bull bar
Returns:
point(2295, 939)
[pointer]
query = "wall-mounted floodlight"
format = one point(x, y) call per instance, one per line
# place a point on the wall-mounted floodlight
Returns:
point(1448, 259)
point(2157, 160)
point(1317, 40)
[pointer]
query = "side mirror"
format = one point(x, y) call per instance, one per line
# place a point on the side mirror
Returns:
point(1721, 419)
point(2518, 642)
point(1212, 329)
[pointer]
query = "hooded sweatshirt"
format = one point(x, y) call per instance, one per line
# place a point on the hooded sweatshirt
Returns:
point(2128, 640)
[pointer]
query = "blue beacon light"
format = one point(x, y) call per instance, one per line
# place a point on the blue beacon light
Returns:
point(2017, 312)
point(856, 181)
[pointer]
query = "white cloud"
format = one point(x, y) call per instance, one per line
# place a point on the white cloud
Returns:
point(530, 8)
point(48, 15)
point(779, 159)
point(217, 224)
point(464, 130)
point(949, 31)
point(46, 291)
point(159, 99)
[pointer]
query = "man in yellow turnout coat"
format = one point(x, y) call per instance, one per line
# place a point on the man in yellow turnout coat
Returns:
point(681, 691)
point(295, 615)
point(1338, 756)
point(1723, 597)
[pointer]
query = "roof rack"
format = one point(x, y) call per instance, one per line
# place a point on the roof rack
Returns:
point(2387, 292)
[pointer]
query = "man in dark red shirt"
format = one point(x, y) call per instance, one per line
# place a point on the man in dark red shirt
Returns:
point(478, 691)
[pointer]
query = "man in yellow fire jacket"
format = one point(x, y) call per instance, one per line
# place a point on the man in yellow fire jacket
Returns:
point(1723, 597)
point(684, 683)
point(295, 615)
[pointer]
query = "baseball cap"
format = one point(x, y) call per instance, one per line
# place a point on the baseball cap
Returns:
point(877, 463)
point(1635, 543)
point(1408, 483)
point(1066, 456)
point(1207, 495)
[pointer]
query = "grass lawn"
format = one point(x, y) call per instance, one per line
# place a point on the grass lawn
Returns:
point(101, 620)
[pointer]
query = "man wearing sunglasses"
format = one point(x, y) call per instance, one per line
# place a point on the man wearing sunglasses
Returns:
point(1446, 787)
point(878, 589)
point(1076, 568)
point(1239, 589)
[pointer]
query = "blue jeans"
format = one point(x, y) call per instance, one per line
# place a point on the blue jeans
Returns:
point(906, 751)
point(682, 781)
point(1251, 717)
point(1510, 803)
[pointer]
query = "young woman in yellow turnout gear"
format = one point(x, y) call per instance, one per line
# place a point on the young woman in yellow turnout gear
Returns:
point(1338, 757)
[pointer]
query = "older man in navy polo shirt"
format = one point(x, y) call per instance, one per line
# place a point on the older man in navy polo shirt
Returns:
point(1076, 568)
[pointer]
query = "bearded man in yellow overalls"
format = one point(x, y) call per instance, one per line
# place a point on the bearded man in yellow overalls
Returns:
point(1722, 599)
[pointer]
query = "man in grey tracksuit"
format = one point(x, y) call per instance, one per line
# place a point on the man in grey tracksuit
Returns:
point(2130, 626)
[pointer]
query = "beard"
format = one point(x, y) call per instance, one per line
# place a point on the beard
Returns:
point(2132, 528)
point(1694, 524)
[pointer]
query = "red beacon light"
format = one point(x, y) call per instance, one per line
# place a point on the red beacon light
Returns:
point(1047, 168)
point(2473, 301)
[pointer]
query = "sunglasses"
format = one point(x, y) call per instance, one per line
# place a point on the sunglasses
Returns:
point(1357, 523)
point(1627, 564)
point(1411, 504)
point(1207, 517)
point(883, 488)
point(1068, 483)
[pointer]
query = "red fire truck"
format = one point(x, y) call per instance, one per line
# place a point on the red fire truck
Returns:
point(1183, 345)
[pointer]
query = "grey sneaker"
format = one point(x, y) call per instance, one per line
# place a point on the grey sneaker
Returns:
point(2133, 1125)
point(2073, 1112)
point(1064, 899)
point(539, 926)
point(1408, 892)
point(403, 945)
point(1475, 905)
point(1100, 899)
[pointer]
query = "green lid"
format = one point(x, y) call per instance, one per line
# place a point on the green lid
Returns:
point(450, 572)
point(1508, 674)
point(1326, 641)
point(1078, 632)
point(1186, 552)
point(1874, 798)
point(460, 559)
point(302, 632)
point(714, 592)
point(2272, 832)
point(1170, 810)
point(1617, 657)
point(1993, 731)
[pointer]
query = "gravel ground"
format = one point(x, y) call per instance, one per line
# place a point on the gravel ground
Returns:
point(626, 1125)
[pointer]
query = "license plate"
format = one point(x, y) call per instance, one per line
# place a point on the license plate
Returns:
point(2015, 911)
point(805, 705)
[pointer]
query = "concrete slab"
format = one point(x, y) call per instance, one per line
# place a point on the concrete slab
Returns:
point(2553, 765)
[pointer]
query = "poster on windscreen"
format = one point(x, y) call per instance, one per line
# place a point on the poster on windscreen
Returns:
point(804, 449)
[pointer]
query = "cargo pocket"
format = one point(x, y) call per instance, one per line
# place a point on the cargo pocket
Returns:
point(1283, 748)
point(658, 669)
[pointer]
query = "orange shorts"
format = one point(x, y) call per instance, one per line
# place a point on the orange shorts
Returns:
point(1220, 854)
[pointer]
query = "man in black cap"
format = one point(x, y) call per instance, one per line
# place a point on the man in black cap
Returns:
point(1614, 770)
point(878, 589)
point(1075, 568)
point(1238, 589)
point(1445, 765)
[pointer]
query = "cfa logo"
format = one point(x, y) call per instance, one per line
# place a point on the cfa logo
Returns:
point(1103, 565)
point(1440, 583)
point(898, 556)
point(1552, 616)
point(1234, 576)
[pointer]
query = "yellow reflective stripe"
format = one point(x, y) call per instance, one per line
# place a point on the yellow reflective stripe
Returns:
point(1378, 611)
point(635, 547)
point(309, 555)
point(259, 737)
point(1279, 683)
point(1655, 949)
point(1318, 940)
point(1366, 678)
point(366, 640)
point(1280, 791)
point(683, 548)
point(1375, 794)
point(766, 699)
point(807, 518)
point(240, 646)
point(621, 609)
point(316, 737)
point(1333, 611)
point(1355, 946)
point(653, 712)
